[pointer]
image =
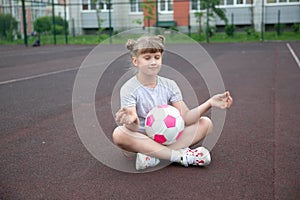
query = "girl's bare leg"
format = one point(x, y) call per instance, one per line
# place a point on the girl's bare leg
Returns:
point(137, 142)
point(193, 134)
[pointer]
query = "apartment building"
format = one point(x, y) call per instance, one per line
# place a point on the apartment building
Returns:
point(123, 14)
point(33, 8)
point(86, 16)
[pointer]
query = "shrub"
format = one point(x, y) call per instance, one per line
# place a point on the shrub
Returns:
point(8, 26)
point(211, 31)
point(42, 25)
point(296, 27)
point(279, 28)
point(229, 30)
point(45, 25)
point(59, 30)
point(249, 31)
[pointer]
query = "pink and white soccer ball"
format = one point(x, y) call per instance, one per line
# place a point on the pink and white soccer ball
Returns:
point(164, 124)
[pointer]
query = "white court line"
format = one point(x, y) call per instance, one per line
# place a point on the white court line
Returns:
point(293, 54)
point(37, 76)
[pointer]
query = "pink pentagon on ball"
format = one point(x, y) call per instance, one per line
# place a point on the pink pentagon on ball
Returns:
point(170, 121)
point(149, 120)
point(160, 138)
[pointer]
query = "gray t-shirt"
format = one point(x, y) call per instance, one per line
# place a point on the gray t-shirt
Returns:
point(133, 93)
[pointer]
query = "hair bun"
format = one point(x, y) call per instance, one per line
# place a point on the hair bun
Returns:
point(130, 44)
point(161, 38)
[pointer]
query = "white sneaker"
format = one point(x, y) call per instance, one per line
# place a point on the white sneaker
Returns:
point(199, 157)
point(144, 161)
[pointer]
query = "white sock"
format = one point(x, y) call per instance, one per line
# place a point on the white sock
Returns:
point(175, 156)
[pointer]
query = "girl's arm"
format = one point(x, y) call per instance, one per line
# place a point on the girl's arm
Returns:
point(128, 117)
point(191, 116)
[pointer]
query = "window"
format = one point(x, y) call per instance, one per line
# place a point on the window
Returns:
point(93, 5)
point(165, 5)
point(85, 4)
point(282, 1)
point(195, 4)
point(243, 2)
point(235, 2)
point(101, 5)
point(229, 2)
point(136, 6)
point(104, 5)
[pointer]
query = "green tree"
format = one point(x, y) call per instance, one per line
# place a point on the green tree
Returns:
point(98, 13)
point(60, 23)
point(209, 7)
point(148, 7)
point(198, 16)
point(8, 26)
point(213, 10)
point(44, 24)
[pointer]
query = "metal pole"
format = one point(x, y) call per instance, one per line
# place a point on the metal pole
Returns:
point(278, 23)
point(10, 22)
point(65, 23)
point(109, 21)
point(53, 22)
point(200, 23)
point(262, 21)
point(73, 27)
point(189, 25)
point(24, 23)
point(156, 20)
point(207, 21)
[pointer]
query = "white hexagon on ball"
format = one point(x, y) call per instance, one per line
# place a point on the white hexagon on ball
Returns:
point(164, 124)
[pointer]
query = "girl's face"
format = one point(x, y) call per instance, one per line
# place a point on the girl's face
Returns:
point(148, 63)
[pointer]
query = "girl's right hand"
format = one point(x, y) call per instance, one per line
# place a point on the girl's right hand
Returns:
point(126, 116)
point(221, 100)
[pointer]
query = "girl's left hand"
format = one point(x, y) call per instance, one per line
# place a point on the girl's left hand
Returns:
point(221, 100)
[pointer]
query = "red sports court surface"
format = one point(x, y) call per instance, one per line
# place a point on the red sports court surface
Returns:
point(256, 157)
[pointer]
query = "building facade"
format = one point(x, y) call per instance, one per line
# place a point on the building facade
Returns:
point(88, 16)
point(33, 9)
point(180, 13)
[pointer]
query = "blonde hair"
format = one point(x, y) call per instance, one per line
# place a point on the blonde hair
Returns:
point(146, 44)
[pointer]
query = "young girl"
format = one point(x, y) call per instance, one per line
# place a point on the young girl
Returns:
point(146, 90)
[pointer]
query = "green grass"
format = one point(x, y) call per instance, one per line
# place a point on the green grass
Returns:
point(60, 39)
point(170, 38)
point(283, 36)
point(254, 37)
